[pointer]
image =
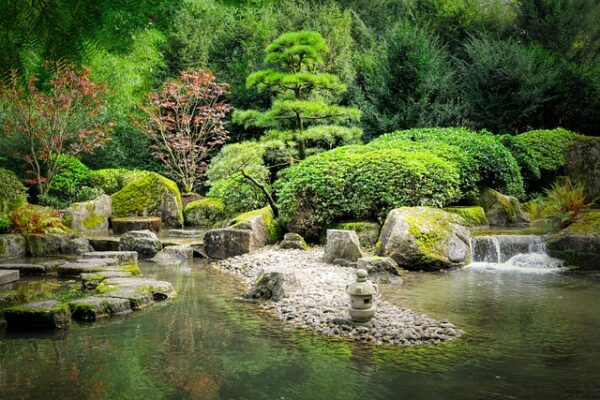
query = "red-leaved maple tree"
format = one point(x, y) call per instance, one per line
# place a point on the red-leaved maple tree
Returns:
point(186, 122)
point(54, 120)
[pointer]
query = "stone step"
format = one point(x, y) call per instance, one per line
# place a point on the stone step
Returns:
point(8, 276)
point(93, 308)
point(25, 269)
point(137, 299)
point(186, 233)
point(122, 256)
point(91, 281)
point(48, 314)
point(160, 290)
point(103, 243)
point(106, 261)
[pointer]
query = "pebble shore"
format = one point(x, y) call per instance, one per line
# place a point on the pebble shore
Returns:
point(315, 298)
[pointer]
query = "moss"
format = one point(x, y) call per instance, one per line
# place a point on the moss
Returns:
point(204, 212)
point(144, 196)
point(588, 223)
point(272, 227)
point(92, 221)
point(57, 309)
point(132, 269)
point(472, 216)
point(489, 198)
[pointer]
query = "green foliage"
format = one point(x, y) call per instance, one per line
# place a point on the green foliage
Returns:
point(204, 212)
point(486, 161)
point(72, 183)
point(35, 220)
point(111, 180)
point(565, 201)
point(358, 182)
point(521, 152)
point(548, 148)
point(238, 195)
point(4, 224)
point(12, 192)
point(472, 216)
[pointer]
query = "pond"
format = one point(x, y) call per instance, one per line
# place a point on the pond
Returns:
point(528, 336)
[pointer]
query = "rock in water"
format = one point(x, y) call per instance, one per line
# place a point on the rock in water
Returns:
point(270, 286)
point(342, 247)
point(501, 209)
point(42, 314)
point(228, 242)
point(425, 238)
point(174, 254)
point(293, 241)
point(145, 242)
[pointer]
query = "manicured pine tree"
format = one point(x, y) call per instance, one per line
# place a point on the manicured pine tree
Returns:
point(302, 107)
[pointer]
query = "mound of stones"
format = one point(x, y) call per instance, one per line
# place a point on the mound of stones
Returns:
point(110, 280)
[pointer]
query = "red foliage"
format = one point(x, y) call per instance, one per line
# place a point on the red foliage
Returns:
point(186, 122)
point(57, 120)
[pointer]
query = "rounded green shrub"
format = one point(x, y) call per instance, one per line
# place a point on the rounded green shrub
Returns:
point(492, 163)
point(13, 193)
point(71, 183)
point(521, 152)
point(4, 224)
point(359, 182)
point(548, 148)
point(111, 180)
point(204, 212)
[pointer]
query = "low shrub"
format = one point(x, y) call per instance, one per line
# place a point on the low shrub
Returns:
point(4, 224)
point(359, 182)
point(72, 183)
point(30, 220)
point(13, 193)
point(548, 148)
point(238, 195)
point(111, 180)
point(566, 201)
point(525, 158)
point(487, 161)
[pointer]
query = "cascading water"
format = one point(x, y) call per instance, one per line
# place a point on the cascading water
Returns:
point(525, 253)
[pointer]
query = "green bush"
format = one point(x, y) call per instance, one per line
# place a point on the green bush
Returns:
point(30, 220)
point(486, 162)
point(4, 224)
point(111, 180)
point(238, 195)
point(12, 192)
point(548, 148)
point(359, 182)
point(71, 183)
point(521, 152)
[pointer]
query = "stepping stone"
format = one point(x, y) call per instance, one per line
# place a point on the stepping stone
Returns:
point(137, 299)
point(8, 276)
point(122, 256)
point(90, 281)
point(174, 254)
point(104, 243)
point(25, 269)
point(160, 290)
point(186, 233)
point(126, 224)
point(93, 308)
point(52, 265)
point(105, 261)
point(75, 269)
point(39, 315)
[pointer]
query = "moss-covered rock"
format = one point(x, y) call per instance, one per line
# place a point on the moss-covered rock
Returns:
point(472, 216)
point(424, 238)
point(293, 241)
point(90, 215)
point(48, 314)
point(150, 195)
point(204, 213)
point(265, 230)
point(12, 246)
point(501, 209)
point(367, 231)
point(579, 243)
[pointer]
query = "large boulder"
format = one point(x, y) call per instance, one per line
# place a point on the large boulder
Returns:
point(578, 244)
point(261, 223)
point(381, 269)
point(343, 247)
point(204, 213)
point(52, 244)
point(12, 246)
point(501, 209)
point(145, 242)
point(367, 231)
point(150, 195)
point(293, 241)
point(272, 286)
point(423, 238)
point(582, 164)
point(228, 242)
point(89, 216)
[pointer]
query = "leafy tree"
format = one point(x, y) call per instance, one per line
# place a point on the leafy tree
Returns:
point(62, 120)
point(186, 122)
point(302, 92)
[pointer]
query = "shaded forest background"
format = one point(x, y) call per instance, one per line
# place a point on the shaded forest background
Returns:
point(503, 65)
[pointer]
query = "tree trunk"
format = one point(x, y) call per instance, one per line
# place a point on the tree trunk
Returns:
point(264, 190)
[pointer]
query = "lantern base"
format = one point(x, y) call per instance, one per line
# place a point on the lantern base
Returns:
point(362, 315)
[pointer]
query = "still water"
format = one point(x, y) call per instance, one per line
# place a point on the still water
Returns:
point(528, 336)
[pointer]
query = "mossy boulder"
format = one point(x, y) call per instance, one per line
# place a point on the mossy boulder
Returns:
point(52, 244)
point(423, 238)
point(579, 243)
point(204, 213)
point(89, 216)
point(501, 209)
point(293, 241)
point(12, 246)
point(367, 231)
point(472, 216)
point(150, 195)
point(265, 230)
point(41, 315)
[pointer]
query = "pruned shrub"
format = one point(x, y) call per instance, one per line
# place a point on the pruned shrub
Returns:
point(111, 180)
point(487, 161)
point(359, 182)
point(71, 183)
point(525, 158)
point(548, 148)
point(12, 192)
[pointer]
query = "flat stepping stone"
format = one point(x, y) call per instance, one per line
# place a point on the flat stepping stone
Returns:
point(122, 256)
point(91, 281)
point(105, 261)
point(93, 308)
point(8, 276)
point(76, 269)
point(160, 290)
point(137, 299)
point(186, 233)
point(104, 243)
point(48, 314)
point(122, 225)
point(25, 269)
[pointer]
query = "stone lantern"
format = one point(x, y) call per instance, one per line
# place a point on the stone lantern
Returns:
point(362, 292)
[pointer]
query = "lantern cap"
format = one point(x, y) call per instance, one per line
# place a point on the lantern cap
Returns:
point(362, 286)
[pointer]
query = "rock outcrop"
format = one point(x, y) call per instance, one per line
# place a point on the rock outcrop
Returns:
point(89, 216)
point(578, 244)
point(501, 209)
point(12, 246)
point(343, 247)
point(145, 243)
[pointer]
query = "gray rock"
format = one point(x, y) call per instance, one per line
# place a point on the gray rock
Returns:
point(501, 209)
point(174, 254)
point(186, 233)
point(145, 243)
point(104, 243)
point(576, 249)
point(293, 241)
point(25, 269)
point(91, 280)
point(425, 238)
point(122, 256)
point(381, 269)
point(137, 299)
point(90, 216)
point(88, 309)
point(582, 165)
point(126, 224)
point(75, 269)
point(159, 290)
point(109, 262)
point(257, 222)
point(117, 306)
point(39, 315)
point(342, 247)
point(48, 244)
point(8, 276)
point(228, 242)
point(12, 246)
point(270, 286)
point(78, 246)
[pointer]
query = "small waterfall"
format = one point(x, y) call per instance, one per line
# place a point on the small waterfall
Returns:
point(518, 252)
